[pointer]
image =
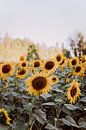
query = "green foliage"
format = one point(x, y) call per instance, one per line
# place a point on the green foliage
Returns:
point(50, 111)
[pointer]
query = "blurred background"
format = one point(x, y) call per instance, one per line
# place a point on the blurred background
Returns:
point(46, 23)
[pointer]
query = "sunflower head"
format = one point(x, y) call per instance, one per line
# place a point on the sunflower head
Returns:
point(79, 70)
point(59, 58)
point(50, 66)
point(63, 63)
point(70, 74)
point(4, 117)
point(7, 69)
point(38, 84)
point(73, 92)
point(21, 73)
point(22, 58)
point(24, 64)
point(73, 61)
point(54, 79)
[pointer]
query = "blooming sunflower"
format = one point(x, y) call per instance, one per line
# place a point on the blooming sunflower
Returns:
point(38, 84)
point(79, 70)
point(22, 73)
point(73, 92)
point(50, 66)
point(59, 58)
point(24, 64)
point(70, 74)
point(64, 62)
point(4, 116)
point(7, 69)
point(22, 58)
point(73, 62)
point(54, 79)
point(37, 63)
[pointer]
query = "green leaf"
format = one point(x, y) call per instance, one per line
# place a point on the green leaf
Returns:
point(51, 127)
point(3, 127)
point(71, 107)
point(69, 121)
point(45, 96)
point(57, 90)
point(82, 122)
point(83, 99)
point(20, 125)
point(49, 104)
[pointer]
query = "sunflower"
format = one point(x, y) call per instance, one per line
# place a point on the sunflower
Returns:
point(37, 63)
point(59, 58)
point(4, 116)
point(64, 62)
point(22, 58)
point(50, 66)
point(38, 84)
point(54, 79)
point(7, 69)
point(79, 70)
point(22, 73)
point(73, 62)
point(70, 74)
point(73, 92)
point(24, 64)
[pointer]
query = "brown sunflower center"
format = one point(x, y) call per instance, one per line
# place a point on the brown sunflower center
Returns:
point(36, 64)
point(58, 58)
point(83, 61)
point(39, 83)
point(2, 118)
point(78, 68)
point(49, 65)
point(21, 72)
point(62, 62)
point(53, 79)
point(6, 68)
point(73, 91)
point(74, 62)
point(21, 58)
point(23, 64)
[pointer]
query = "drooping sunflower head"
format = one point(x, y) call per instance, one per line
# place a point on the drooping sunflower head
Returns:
point(70, 74)
point(7, 69)
point(50, 66)
point(79, 70)
point(73, 92)
point(73, 62)
point(21, 73)
point(59, 58)
point(63, 63)
point(4, 117)
point(38, 84)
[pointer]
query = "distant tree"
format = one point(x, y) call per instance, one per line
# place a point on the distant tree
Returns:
point(78, 44)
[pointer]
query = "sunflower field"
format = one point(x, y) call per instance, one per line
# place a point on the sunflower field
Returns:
point(37, 94)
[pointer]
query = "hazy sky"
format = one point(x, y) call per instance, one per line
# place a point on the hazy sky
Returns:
point(43, 21)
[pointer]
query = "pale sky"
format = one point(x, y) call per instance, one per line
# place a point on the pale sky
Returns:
point(42, 21)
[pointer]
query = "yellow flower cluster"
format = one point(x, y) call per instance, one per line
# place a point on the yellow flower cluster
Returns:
point(39, 74)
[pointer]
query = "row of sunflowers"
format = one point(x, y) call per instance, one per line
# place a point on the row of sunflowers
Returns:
point(43, 94)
